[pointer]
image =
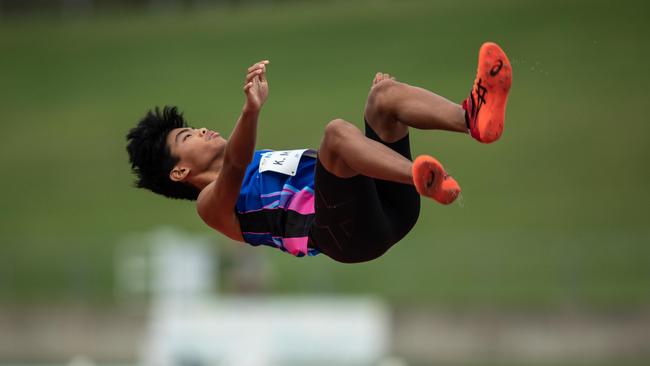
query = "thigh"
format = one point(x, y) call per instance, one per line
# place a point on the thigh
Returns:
point(350, 225)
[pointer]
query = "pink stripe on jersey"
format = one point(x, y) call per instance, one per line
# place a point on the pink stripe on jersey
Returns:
point(302, 202)
point(296, 246)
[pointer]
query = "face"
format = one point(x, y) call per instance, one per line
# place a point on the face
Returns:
point(198, 150)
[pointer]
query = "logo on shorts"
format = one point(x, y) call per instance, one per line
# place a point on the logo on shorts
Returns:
point(496, 68)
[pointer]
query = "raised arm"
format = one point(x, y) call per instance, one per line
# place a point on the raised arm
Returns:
point(241, 144)
point(216, 202)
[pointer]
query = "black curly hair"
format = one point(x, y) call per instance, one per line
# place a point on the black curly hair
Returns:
point(150, 157)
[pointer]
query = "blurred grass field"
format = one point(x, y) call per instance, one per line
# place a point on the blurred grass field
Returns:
point(554, 214)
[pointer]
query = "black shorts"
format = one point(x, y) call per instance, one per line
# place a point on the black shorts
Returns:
point(358, 219)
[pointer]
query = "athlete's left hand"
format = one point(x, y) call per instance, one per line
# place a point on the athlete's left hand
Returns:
point(256, 86)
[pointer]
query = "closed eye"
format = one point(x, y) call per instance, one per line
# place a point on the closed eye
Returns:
point(186, 136)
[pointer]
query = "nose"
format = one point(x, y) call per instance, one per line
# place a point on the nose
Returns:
point(203, 131)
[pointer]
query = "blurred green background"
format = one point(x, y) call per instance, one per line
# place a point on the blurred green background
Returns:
point(554, 214)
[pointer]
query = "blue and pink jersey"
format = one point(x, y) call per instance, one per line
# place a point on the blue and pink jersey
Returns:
point(277, 209)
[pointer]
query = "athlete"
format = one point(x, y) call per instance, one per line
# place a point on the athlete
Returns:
point(351, 200)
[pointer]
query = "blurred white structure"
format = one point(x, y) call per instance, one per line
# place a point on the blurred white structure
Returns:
point(268, 331)
point(190, 325)
point(170, 266)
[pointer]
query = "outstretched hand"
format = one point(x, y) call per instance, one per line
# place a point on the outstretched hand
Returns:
point(256, 87)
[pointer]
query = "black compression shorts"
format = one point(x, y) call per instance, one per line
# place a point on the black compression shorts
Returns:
point(358, 219)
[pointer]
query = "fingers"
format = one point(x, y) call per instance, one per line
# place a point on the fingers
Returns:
point(248, 86)
point(259, 65)
point(251, 83)
point(253, 74)
point(259, 69)
point(262, 76)
point(256, 74)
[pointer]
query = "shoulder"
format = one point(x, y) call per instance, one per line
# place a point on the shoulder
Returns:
point(203, 207)
point(218, 217)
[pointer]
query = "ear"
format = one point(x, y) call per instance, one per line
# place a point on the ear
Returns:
point(179, 173)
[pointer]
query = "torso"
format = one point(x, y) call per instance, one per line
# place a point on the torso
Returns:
point(277, 209)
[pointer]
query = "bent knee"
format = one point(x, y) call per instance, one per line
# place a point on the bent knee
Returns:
point(337, 125)
point(380, 95)
point(335, 143)
point(337, 130)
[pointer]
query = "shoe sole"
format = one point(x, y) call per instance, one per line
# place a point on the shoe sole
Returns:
point(495, 75)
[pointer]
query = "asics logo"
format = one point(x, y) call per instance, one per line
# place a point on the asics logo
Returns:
point(496, 68)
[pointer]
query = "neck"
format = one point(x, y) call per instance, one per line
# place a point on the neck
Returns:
point(202, 179)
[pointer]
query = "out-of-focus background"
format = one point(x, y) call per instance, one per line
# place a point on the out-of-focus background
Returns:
point(544, 260)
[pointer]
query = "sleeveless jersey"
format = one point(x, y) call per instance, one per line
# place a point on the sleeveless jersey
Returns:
point(277, 209)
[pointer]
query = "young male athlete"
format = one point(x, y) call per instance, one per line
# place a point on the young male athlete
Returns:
point(352, 199)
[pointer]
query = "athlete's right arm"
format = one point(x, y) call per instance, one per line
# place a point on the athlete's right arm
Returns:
point(216, 202)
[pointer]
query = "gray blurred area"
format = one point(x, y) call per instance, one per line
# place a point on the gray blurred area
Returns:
point(172, 313)
point(419, 334)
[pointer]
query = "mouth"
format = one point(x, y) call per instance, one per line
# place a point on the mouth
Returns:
point(212, 135)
